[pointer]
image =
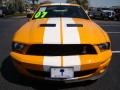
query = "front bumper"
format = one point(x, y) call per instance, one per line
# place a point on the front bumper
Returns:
point(78, 79)
point(93, 75)
point(90, 70)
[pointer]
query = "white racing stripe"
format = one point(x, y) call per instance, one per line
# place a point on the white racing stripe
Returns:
point(52, 36)
point(70, 61)
point(51, 61)
point(70, 36)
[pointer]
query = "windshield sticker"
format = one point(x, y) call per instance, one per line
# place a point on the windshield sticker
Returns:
point(60, 10)
point(40, 14)
point(43, 9)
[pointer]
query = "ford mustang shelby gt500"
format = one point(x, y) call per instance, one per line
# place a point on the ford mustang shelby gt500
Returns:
point(60, 42)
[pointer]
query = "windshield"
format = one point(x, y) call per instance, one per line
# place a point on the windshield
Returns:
point(60, 11)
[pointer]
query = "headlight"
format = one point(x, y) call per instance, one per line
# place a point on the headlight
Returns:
point(18, 47)
point(104, 46)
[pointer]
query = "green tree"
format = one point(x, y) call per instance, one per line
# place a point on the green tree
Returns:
point(83, 3)
point(16, 5)
point(20, 6)
point(33, 4)
point(11, 8)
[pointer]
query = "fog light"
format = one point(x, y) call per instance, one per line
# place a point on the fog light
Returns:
point(101, 71)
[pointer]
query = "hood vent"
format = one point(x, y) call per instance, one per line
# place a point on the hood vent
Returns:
point(47, 25)
point(74, 25)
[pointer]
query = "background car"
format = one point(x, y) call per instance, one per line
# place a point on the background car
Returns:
point(2, 11)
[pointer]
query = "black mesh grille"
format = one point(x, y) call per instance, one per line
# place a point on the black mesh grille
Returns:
point(60, 49)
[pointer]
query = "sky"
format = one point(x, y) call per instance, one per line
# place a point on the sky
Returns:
point(97, 3)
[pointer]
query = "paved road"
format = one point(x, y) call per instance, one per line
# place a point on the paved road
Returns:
point(10, 80)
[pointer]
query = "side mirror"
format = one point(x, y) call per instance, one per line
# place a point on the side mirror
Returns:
point(29, 15)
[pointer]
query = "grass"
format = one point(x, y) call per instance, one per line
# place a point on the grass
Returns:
point(17, 14)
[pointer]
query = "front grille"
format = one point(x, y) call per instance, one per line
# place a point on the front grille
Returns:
point(60, 49)
point(76, 74)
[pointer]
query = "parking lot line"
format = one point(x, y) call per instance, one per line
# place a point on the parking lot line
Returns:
point(117, 25)
point(113, 32)
point(115, 51)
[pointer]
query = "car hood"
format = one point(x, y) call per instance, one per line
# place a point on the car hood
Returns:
point(60, 31)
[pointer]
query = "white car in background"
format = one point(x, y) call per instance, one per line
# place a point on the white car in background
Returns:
point(1, 12)
point(109, 14)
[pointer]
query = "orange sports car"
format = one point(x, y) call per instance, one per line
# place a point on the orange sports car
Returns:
point(60, 42)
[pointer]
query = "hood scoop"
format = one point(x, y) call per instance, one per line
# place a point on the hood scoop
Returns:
point(47, 25)
point(74, 25)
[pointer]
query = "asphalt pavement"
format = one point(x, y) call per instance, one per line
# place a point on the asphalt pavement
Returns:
point(11, 80)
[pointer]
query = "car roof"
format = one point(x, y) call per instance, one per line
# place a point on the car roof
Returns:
point(67, 4)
